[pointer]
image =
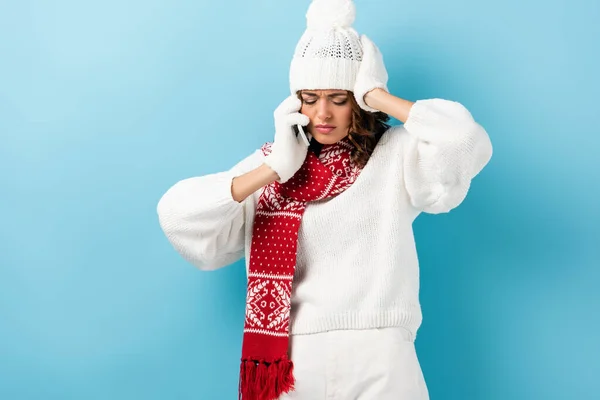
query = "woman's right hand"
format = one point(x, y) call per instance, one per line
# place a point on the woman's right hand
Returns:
point(288, 151)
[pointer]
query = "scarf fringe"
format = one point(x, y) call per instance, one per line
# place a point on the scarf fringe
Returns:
point(260, 380)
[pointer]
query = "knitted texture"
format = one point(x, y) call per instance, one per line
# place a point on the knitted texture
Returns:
point(329, 53)
point(266, 371)
point(356, 264)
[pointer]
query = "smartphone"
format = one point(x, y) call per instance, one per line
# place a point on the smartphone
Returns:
point(299, 130)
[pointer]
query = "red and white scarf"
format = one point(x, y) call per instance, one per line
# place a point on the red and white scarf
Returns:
point(266, 370)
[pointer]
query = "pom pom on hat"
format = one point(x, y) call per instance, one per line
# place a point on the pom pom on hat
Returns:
point(329, 52)
point(327, 14)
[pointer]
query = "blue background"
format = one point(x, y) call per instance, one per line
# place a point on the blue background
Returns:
point(106, 104)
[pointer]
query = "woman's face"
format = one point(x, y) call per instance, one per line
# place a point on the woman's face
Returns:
point(330, 114)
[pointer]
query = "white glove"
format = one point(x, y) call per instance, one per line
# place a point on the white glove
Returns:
point(371, 73)
point(288, 151)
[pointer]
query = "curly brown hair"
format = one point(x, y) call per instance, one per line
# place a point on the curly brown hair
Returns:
point(366, 128)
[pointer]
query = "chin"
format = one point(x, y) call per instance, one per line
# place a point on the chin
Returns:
point(327, 139)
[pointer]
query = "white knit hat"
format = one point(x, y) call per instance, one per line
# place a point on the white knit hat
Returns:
point(329, 52)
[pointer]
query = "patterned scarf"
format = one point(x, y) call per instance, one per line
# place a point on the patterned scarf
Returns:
point(266, 371)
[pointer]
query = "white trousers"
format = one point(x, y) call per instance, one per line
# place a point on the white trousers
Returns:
point(370, 364)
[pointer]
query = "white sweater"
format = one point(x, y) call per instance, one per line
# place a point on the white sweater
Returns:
point(357, 265)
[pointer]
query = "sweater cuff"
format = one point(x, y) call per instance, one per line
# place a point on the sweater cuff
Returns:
point(227, 194)
point(222, 196)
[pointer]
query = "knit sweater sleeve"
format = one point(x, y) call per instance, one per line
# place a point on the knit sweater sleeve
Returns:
point(446, 149)
point(201, 219)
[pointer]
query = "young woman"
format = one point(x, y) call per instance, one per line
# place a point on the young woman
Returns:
point(326, 228)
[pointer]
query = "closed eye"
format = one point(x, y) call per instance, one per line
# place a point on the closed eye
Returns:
point(337, 103)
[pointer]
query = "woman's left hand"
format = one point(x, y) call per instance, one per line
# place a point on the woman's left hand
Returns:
point(371, 73)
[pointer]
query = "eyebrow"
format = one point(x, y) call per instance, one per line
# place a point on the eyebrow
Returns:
point(311, 94)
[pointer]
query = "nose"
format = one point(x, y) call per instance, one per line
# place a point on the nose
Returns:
point(323, 110)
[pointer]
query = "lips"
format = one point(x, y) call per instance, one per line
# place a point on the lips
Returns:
point(321, 128)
